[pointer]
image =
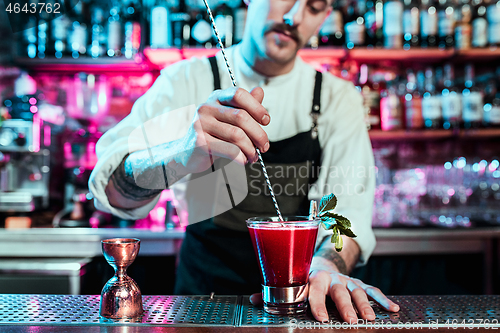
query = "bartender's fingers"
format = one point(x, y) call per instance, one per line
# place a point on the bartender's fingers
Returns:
point(231, 134)
point(246, 127)
point(240, 118)
point(378, 296)
point(319, 282)
point(258, 94)
point(342, 299)
point(220, 148)
point(242, 99)
point(360, 299)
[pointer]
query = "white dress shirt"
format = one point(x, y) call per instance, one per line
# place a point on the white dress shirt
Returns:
point(347, 166)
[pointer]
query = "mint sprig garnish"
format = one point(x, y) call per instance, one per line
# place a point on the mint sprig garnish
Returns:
point(339, 224)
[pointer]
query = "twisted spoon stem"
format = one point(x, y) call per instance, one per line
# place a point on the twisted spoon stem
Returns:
point(233, 80)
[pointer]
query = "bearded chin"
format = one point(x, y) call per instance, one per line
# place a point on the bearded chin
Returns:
point(280, 44)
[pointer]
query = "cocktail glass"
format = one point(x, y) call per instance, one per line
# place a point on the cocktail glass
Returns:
point(284, 250)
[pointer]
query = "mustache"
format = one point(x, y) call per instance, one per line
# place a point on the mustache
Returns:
point(285, 29)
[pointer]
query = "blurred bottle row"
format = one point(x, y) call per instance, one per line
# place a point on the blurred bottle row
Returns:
point(462, 24)
point(432, 98)
point(113, 28)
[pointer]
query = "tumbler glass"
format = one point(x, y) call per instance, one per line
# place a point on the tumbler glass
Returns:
point(284, 251)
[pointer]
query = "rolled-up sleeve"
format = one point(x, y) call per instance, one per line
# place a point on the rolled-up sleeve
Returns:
point(347, 166)
point(171, 91)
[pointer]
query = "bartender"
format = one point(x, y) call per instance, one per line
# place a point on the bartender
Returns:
point(193, 120)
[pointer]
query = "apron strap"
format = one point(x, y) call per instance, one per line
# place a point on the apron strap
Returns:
point(215, 72)
point(316, 105)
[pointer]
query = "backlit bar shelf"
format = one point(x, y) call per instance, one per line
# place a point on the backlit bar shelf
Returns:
point(483, 133)
point(164, 57)
point(88, 65)
point(156, 59)
point(422, 135)
point(398, 135)
point(492, 53)
point(427, 55)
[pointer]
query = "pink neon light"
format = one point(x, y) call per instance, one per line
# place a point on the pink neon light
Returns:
point(33, 109)
point(32, 101)
point(37, 123)
point(46, 136)
point(67, 151)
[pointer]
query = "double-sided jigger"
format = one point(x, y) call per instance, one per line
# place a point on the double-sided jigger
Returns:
point(121, 297)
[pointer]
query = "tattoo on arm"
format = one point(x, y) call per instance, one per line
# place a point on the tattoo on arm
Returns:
point(332, 256)
point(126, 185)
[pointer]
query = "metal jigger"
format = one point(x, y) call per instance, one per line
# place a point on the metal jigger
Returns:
point(120, 297)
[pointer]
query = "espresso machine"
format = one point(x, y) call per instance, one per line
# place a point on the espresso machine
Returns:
point(24, 153)
point(24, 165)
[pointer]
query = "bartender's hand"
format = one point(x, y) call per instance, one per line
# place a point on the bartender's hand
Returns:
point(228, 125)
point(350, 296)
point(344, 291)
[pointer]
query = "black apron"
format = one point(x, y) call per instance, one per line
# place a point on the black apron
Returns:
point(217, 254)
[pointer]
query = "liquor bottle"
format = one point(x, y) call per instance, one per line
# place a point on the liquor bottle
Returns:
point(240, 18)
point(42, 38)
point(391, 110)
point(60, 26)
point(97, 35)
point(479, 24)
point(77, 37)
point(493, 16)
point(393, 24)
point(115, 33)
point(132, 29)
point(180, 20)
point(413, 103)
point(374, 16)
point(431, 106)
point(491, 107)
point(379, 18)
point(201, 31)
point(446, 24)
point(463, 27)
point(411, 24)
point(331, 32)
point(472, 100)
point(160, 26)
point(371, 95)
point(224, 23)
point(355, 24)
point(450, 100)
point(29, 40)
point(428, 23)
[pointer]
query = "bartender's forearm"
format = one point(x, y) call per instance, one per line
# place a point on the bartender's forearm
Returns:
point(142, 175)
point(326, 258)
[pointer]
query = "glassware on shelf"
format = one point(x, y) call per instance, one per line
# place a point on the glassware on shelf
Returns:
point(460, 192)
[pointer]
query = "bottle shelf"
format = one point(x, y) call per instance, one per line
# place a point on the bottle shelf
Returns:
point(155, 59)
point(416, 135)
point(490, 53)
point(88, 65)
point(423, 55)
point(163, 57)
point(422, 135)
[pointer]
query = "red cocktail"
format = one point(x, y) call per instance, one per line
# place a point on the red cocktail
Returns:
point(284, 250)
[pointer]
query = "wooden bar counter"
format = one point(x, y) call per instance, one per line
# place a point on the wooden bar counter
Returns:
point(80, 313)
